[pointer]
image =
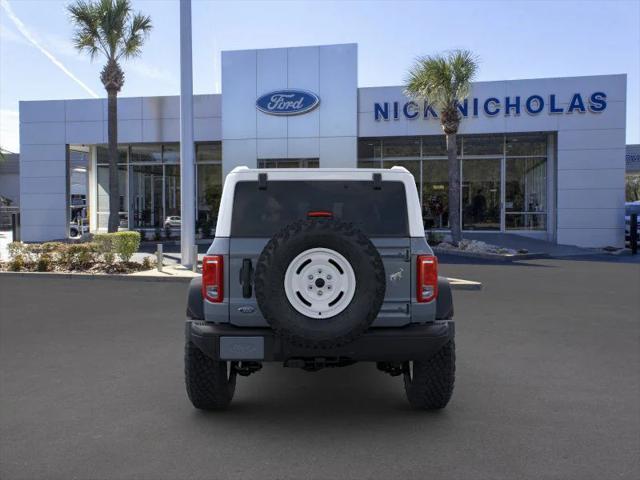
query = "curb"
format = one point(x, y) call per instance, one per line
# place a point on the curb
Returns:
point(490, 256)
point(461, 284)
point(98, 276)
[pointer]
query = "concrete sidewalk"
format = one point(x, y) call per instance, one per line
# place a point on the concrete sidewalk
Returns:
point(532, 245)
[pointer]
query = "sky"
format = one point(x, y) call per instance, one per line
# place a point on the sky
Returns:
point(512, 39)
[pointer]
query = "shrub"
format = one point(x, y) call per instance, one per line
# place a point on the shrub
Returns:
point(147, 263)
point(79, 255)
point(126, 244)
point(16, 263)
point(104, 243)
point(44, 263)
point(143, 235)
point(16, 249)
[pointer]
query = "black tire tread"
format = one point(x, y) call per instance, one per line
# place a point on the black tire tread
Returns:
point(266, 261)
point(208, 386)
point(432, 382)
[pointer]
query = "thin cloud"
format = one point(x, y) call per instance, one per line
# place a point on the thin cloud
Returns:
point(29, 36)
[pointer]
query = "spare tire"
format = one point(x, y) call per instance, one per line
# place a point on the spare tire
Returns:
point(320, 283)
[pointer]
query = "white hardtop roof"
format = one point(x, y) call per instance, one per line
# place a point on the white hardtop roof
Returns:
point(394, 169)
point(244, 174)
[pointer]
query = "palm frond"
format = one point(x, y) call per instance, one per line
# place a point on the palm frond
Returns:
point(109, 27)
point(442, 80)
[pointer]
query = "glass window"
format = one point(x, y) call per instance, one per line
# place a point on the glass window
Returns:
point(369, 149)
point(483, 144)
point(289, 163)
point(526, 193)
point(103, 154)
point(209, 192)
point(401, 147)
point(526, 144)
point(146, 193)
point(435, 146)
point(172, 191)
point(435, 193)
point(208, 152)
point(146, 153)
point(171, 153)
point(481, 194)
point(261, 213)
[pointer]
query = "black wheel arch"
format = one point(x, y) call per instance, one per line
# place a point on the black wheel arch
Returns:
point(444, 303)
point(195, 305)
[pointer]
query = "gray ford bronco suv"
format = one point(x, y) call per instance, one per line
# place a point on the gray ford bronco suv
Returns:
point(319, 268)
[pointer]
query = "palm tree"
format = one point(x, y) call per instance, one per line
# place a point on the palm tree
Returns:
point(112, 29)
point(444, 81)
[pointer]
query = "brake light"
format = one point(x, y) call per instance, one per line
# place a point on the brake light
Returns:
point(212, 278)
point(427, 278)
point(320, 214)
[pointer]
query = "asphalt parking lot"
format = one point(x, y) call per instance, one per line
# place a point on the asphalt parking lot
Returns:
point(548, 383)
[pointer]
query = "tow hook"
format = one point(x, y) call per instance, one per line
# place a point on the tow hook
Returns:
point(245, 369)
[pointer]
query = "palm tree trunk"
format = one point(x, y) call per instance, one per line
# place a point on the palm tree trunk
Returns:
point(114, 192)
point(454, 188)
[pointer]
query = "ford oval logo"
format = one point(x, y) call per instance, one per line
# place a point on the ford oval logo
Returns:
point(287, 102)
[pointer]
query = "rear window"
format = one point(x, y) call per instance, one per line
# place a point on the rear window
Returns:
point(262, 213)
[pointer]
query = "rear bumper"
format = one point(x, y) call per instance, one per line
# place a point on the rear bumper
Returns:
point(413, 342)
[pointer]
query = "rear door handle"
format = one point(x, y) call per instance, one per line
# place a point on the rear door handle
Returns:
point(245, 277)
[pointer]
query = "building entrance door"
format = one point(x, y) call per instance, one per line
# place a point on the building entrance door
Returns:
point(481, 194)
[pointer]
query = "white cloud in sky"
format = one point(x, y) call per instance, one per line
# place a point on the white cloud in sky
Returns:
point(9, 130)
point(22, 28)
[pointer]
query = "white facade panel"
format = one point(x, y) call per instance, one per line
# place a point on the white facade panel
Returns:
point(42, 233)
point(129, 108)
point(591, 159)
point(239, 74)
point(340, 152)
point(303, 147)
point(43, 201)
point(38, 185)
point(42, 111)
point(42, 169)
point(207, 106)
point(604, 138)
point(207, 129)
point(271, 74)
point(587, 218)
point(271, 148)
point(84, 132)
point(167, 130)
point(45, 133)
point(129, 131)
point(339, 90)
point(591, 237)
point(590, 179)
point(303, 73)
point(40, 217)
point(239, 152)
point(87, 110)
point(609, 198)
point(42, 153)
point(160, 107)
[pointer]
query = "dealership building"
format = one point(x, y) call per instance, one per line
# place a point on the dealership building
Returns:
point(542, 157)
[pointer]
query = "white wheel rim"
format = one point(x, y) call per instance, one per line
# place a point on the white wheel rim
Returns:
point(319, 283)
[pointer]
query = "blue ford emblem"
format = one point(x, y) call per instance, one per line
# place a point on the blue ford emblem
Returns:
point(287, 102)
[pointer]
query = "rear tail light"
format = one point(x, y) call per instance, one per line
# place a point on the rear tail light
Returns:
point(427, 278)
point(212, 278)
point(320, 214)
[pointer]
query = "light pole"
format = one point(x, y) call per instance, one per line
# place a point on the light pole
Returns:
point(187, 148)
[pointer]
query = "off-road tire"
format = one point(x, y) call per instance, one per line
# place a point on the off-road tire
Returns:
point(429, 385)
point(210, 384)
point(291, 325)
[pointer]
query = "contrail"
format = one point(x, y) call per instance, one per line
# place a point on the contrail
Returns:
point(27, 34)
